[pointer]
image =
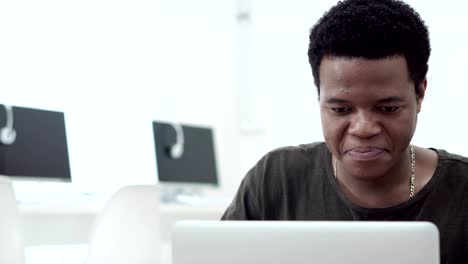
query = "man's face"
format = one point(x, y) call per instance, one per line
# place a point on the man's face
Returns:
point(369, 110)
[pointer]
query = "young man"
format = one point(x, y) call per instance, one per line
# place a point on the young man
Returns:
point(369, 62)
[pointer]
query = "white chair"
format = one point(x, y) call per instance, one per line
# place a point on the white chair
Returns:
point(127, 229)
point(11, 239)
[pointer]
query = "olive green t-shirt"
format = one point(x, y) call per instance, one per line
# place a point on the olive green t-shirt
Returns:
point(297, 183)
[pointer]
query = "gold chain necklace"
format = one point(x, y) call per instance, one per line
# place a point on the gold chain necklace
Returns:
point(413, 171)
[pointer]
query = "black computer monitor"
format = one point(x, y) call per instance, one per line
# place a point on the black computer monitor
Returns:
point(40, 149)
point(197, 164)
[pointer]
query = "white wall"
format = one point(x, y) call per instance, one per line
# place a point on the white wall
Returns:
point(442, 120)
point(196, 61)
point(283, 97)
point(113, 67)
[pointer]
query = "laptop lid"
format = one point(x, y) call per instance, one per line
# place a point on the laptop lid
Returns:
point(296, 242)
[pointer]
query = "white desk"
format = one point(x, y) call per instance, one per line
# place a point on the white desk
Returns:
point(62, 224)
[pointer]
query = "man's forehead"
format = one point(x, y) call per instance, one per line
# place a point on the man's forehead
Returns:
point(349, 71)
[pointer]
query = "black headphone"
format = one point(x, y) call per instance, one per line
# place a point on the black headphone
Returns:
point(8, 132)
point(177, 150)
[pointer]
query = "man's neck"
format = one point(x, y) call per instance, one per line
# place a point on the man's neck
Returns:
point(394, 187)
point(388, 190)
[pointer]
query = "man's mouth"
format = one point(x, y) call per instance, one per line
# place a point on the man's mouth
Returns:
point(365, 153)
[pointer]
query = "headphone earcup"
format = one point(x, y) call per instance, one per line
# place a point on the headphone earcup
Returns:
point(176, 151)
point(7, 136)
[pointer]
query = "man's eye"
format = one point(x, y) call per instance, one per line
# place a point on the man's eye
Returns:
point(389, 109)
point(341, 110)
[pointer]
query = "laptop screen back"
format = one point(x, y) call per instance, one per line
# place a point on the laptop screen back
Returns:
point(295, 242)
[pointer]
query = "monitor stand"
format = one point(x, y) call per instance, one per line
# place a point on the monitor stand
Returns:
point(171, 194)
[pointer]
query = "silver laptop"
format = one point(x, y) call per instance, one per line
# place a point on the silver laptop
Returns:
point(295, 242)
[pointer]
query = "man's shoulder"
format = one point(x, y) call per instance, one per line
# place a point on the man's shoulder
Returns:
point(452, 169)
point(451, 177)
point(451, 157)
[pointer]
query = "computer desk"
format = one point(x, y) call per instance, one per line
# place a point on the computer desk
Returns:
point(47, 224)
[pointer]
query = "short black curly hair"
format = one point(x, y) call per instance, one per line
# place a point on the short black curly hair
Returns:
point(371, 29)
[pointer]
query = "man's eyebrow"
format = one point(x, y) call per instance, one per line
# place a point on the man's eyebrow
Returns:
point(334, 100)
point(391, 99)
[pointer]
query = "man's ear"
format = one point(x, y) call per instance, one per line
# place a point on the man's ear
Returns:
point(420, 94)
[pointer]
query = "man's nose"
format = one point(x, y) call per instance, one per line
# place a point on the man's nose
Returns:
point(364, 125)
